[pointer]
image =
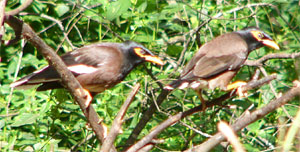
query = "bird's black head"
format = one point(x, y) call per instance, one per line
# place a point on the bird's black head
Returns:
point(138, 53)
point(256, 38)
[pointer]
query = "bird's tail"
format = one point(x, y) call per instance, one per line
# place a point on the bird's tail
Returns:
point(45, 75)
point(180, 84)
point(23, 82)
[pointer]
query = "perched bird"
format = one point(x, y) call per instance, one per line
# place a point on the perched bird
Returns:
point(97, 67)
point(218, 61)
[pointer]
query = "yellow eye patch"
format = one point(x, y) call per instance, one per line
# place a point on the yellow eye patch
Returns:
point(257, 35)
point(139, 51)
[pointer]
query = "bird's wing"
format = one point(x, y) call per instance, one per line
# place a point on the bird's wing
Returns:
point(95, 69)
point(90, 58)
point(226, 52)
point(85, 60)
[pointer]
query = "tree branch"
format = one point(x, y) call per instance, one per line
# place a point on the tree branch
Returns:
point(263, 59)
point(19, 9)
point(2, 15)
point(116, 126)
point(249, 118)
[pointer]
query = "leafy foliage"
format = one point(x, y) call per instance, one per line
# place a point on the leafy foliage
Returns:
point(49, 120)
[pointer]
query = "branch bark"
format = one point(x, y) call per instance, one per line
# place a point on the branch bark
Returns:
point(2, 15)
point(249, 118)
point(116, 126)
point(263, 59)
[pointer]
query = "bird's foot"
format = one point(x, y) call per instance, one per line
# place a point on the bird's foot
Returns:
point(203, 101)
point(203, 105)
point(238, 85)
point(87, 96)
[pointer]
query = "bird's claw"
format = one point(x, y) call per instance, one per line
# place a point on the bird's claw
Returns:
point(238, 86)
point(87, 96)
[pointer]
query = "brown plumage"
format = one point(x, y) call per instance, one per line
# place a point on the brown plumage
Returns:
point(97, 66)
point(218, 61)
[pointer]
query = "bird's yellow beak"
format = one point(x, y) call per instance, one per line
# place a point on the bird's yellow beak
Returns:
point(153, 59)
point(270, 43)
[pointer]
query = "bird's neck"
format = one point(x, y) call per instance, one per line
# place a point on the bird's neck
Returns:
point(250, 40)
point(127, 67)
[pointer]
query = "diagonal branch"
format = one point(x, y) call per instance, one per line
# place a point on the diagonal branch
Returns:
point(248, 118)
point(116, 126)
point(19, 9)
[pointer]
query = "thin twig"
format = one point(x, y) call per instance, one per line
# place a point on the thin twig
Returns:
point(19, 9)
point(58, 22)
point(146, 117)
point(116, 126)
point(153, 77)
point(69, 30)
point(61, 27)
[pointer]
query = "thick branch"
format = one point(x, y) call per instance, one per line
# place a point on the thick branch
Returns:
point(173, 119)
point(249, 118)
point(116, 126)
point(68, 79)
point(2, 14)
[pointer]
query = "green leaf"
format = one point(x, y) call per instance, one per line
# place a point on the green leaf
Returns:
point(24, 119)
point(116, 9)
point(142, 7)
point(62, 9)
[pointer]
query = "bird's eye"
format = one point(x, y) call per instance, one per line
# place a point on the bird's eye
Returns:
point(260, 35)
point(142, 51)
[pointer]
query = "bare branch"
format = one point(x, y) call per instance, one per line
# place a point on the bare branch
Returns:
point(248, 118)
point(59, 23)
point(230, 135)
point(116, 126)
point(19, 9)
point(263, 59)
point(2, 14)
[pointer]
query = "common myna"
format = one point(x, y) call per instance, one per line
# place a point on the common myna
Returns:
point(97, 66)
point(218, 61)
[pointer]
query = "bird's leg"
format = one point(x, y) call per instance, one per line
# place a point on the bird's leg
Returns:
point(238, 85)
point(203, 101)
point(87, 96)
